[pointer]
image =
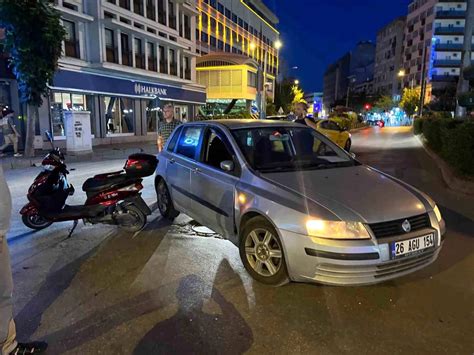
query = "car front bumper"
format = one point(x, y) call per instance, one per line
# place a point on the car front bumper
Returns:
point(351, 263)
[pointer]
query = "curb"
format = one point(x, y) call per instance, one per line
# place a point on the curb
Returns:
point(449, 176)
point(358, 129)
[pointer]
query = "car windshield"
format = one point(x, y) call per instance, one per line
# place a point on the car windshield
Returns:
point(269, 149)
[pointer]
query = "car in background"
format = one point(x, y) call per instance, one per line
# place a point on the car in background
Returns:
point(335, 132)
point(297, 206)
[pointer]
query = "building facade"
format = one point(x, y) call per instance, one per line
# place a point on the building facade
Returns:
point(123, 60)
point(237, 28)
point(434, 36)
point(388, 58)
point(352, 74)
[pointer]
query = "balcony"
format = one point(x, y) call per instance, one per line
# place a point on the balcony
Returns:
point(447, 63)
point(448, 46)
point(451, 14)
point(449, 30)
point(445, 78)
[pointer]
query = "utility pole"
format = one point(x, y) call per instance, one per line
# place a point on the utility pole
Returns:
point(463, 85)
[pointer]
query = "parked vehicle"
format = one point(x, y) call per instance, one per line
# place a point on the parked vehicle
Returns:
point(335, 132)
point(297, 206)
point(112, 198)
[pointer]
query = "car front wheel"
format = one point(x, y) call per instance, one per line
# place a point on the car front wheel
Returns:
point(262, 253)
point(347, 146)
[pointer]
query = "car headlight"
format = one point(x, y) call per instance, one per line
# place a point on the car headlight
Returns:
point(336, 230)
point(437, 213)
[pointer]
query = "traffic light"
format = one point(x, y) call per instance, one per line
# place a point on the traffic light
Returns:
point(367, 107)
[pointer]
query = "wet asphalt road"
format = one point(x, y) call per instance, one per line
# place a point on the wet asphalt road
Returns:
point(167, 290)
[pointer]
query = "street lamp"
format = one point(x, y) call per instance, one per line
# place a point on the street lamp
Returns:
point(252, 46)
point(278, 44)
point(401, 73)
point(297, 82)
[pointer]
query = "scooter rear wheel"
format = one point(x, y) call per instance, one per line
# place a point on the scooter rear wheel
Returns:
point(35, 221)
point(138, 223)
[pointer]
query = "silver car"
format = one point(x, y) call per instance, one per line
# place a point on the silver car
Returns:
point(298, 207)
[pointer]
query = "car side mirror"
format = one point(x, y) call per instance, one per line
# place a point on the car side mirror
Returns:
point(227, 165)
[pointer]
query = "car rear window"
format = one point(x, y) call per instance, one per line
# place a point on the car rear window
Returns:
point(189, 141)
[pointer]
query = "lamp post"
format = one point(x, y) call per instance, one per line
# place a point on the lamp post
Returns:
point(401, 74)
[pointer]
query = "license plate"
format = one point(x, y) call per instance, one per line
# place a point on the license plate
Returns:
point(410, 246)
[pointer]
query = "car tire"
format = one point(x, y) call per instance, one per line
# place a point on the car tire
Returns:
point(258, 242)
point(164, 201)
point(347, 146)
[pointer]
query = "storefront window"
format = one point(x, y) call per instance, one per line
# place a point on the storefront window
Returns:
point(63, 101)
point(154, 114)
point(119, 115)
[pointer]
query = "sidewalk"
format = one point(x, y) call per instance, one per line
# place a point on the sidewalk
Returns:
point(104, 152)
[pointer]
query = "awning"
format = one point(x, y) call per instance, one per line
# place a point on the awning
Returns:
point(68, 80)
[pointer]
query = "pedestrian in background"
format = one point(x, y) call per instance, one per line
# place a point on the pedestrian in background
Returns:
point(8, 343)
point(301, 115)
point(166, 128)
point(10, 134)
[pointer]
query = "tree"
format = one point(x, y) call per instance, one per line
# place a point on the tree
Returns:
point(384, 103)
point(298, 94)
point(284, 95)
point(33, 38)
point(410, 100)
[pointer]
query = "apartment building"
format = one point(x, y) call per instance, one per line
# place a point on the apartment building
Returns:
point(388, 58)
point(122, 61)
point(238, 42)
point(353, 73)
point(434, 37)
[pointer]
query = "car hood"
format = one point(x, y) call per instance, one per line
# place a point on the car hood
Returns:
point(357, 193)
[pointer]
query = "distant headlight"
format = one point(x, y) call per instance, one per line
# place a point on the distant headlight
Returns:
point(336, 230)
point(437, 213)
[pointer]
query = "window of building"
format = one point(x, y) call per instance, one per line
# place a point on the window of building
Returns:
point(65, 101)
point(241, 22)
point(139, 58)
point(71, 45)
point(187, 68)
point(204, 37)
point(234, 18)
point(172, 15)
point(220, 8)
point(163, 60)
point(124, 4)
point(162, 12)
point(213, 3)
point(228, 13)
point(119, 115)
point(251, 79)
point(154, 114)
point(151, 57)
point(150, 10)
point(173, 62)
point(138, 7)
point(246, 26)
point(187, 27)
point(220, 45)
point(126, 52)
point(213, 41)
point(110, 51)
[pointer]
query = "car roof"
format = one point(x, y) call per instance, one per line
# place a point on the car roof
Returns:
point(249, 123)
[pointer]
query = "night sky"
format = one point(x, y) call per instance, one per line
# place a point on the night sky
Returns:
point(317, 32)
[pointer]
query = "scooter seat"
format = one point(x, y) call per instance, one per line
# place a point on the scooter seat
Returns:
point(103, 182)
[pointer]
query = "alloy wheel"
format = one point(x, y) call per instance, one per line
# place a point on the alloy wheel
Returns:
point(263, 252)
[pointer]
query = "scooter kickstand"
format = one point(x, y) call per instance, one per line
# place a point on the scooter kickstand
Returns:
point(73, 228)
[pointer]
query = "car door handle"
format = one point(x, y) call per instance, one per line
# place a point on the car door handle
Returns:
point(197, 170)
point(172, 161)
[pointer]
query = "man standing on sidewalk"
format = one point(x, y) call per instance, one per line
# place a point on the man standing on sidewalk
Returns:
point(10, 134)
point(8, 343)
point(166, 128)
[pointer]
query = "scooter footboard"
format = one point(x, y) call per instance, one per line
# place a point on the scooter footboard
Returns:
point(139, 203)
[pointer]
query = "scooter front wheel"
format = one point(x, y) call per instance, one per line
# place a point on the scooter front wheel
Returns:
point(134, 221)
point(35, 221)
